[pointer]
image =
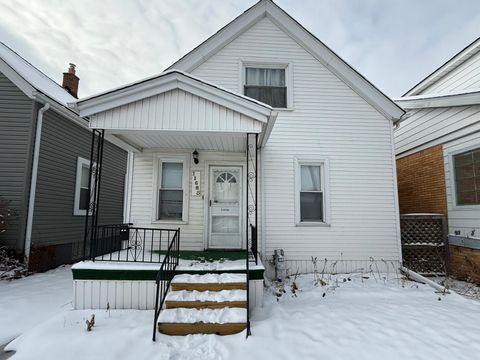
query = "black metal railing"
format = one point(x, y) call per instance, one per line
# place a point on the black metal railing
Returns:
point(126, 243)
point(254, 244)
point(165, 276)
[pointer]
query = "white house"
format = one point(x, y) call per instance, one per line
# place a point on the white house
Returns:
point(260, 138)
point(439, 140)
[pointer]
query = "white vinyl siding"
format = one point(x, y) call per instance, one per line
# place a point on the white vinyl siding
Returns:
point(163, 112)
point(144, 186)
point(465, 77)
point(327, 118)
point(424, 128)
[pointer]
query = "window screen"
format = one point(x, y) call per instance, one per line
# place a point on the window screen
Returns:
point(467, 177)
point(84, 195)
point(311, 193)
point(267, 86)
point(170, 194)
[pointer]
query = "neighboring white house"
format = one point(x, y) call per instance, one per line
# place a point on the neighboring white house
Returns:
point(325, 166)
point(443, 112)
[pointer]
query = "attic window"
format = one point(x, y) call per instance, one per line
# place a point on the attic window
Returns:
point(267, 85)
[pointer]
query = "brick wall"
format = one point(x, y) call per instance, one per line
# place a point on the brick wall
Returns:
point(421, 182)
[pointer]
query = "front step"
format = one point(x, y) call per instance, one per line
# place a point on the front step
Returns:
point(205, 304)
point(209, 282)
point(206, 299)
point(226, 321)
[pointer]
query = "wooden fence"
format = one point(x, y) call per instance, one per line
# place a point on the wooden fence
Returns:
point(425, 243)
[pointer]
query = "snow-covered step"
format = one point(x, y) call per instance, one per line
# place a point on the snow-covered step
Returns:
point(212, 282)
point(224, 321)
point(206, 299)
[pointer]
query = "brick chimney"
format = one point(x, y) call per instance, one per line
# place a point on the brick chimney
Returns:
point(70, 81)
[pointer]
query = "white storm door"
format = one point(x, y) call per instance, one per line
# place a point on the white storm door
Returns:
point(225, 207)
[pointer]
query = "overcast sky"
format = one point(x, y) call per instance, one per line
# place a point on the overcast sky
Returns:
point(393, 43)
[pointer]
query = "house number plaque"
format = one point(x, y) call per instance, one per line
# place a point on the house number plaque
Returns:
point(196, 190)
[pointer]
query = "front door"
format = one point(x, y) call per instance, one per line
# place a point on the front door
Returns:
point(225, 207)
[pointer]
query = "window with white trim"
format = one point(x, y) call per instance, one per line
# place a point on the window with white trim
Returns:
point(467, 177)
point(310, 192)
point(171, 191)
point(268, 85)
point(82, 196)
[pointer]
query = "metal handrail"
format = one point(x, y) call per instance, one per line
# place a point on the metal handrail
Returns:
point(127, 243)
point(165, 276)
point(247, 275)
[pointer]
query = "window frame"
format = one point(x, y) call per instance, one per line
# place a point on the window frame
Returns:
point(324, 180)
point(453, 180)
point(266, 64)
point(158, 161)
point(81, 162)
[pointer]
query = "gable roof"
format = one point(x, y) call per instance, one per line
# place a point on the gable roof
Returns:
point(451, 64)
point(267, 8)
point(29, 79)
point(170, 80)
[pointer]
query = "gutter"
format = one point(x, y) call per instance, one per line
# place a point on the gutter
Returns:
point(33, 182)
point(62, 110)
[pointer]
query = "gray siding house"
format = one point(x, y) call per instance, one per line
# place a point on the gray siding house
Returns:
point(44, 161)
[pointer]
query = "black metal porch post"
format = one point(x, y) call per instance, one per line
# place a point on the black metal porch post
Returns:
point(94, 180)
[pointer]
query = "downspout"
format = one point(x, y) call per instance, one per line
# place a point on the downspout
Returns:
point(33, 182)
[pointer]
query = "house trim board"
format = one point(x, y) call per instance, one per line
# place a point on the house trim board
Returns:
point(151, 275)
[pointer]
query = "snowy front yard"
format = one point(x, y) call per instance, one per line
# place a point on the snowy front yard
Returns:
point(359, 319)
point(28, 301)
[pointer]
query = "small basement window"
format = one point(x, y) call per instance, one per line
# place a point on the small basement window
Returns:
point(467, 177)
point(267, 85)
point(310, 193)
point(82, 197)
point(170, 192)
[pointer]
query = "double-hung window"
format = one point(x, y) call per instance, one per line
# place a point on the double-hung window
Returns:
point(467, 177)
point(267, 85)
point(82, 196)
point(170, 192)
point(310, 193)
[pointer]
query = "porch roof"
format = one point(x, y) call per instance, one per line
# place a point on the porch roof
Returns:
point(177, 110)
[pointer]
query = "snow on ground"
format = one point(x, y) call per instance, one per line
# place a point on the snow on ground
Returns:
point(358, 319)
point(467, 289)
point(28, 301)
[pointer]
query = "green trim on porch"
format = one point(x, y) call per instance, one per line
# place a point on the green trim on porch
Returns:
point(149, 275)
point(210, 255)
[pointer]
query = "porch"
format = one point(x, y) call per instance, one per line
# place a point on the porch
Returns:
point(193, 170)
point(141, 275)
point(193, 163)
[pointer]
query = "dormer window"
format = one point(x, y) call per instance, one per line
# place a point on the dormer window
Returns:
point(267, 85)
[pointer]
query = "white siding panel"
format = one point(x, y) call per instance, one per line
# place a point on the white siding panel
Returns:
point(424, 128)
point(138, 295)
point(465, 77)
point(143, 201)
point(175, 110)
point(327, 121)
point(460, 218)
